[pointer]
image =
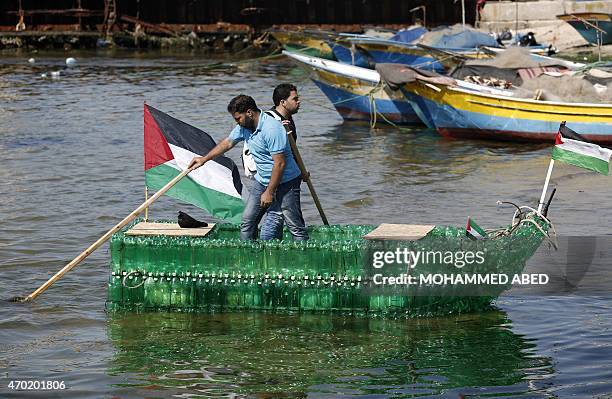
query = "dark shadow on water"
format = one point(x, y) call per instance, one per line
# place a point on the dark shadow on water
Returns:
point(289, 356)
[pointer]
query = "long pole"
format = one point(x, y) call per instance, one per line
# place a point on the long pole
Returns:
point(147, 208)
point(550, 168)
point(105, 237)
point(306, 176)
point(516, 40)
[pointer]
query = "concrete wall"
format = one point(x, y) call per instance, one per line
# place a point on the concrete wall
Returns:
point(540, 17)
point(497, 15)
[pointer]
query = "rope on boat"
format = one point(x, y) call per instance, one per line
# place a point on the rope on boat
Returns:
point(273, 54)
point(131, 287)
point(529, 218)
point(552, 241)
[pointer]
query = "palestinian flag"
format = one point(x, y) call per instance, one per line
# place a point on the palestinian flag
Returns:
point(474, 231)
point(572, 148)
point(169, 147)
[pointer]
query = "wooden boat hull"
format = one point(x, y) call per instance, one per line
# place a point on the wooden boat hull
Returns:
point(303, 43)
point(458, 112)
point(601, 20)
point(389, 51)
point(356, 92)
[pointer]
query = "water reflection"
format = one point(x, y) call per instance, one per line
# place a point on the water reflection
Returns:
point(266, 355)
point(415, 156)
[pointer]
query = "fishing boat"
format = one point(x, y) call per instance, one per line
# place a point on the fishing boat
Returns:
point(594, 27)
point(345, 49)
point(357, 93)
point(456, 109)
point(162, 267)
point(377, 50)
point(307, 42)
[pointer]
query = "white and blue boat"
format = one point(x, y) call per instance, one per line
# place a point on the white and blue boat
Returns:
point(357, 93)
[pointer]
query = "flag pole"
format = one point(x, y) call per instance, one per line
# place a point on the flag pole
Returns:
point(147, 208)
point(103, 239)
point(550, 168)
point(306, 176)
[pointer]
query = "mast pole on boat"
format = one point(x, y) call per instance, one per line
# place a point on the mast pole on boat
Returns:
point(543, 196)
point(147, 208)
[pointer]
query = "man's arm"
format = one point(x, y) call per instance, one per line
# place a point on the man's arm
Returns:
point(220, 149)
point(277, 173)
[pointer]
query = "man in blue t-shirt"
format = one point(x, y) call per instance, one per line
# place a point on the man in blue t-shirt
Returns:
point(278, 178)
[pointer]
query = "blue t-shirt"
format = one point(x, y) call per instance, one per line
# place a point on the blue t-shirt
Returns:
point(269, 138)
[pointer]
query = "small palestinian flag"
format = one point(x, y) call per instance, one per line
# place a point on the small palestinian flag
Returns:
point(572, 148)
point(169, 147)
point(474, 231)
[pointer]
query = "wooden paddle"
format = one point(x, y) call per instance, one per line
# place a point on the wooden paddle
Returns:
point(102, 239)
point(306, 177)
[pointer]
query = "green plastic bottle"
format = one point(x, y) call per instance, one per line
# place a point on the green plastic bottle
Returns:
point(116, 248)
point(115, 289)
point(151, 288)
point(200, 303)
point(267, 293)
point(308, 295)
point(235, 299)
point(180, 297)
point(133, 290)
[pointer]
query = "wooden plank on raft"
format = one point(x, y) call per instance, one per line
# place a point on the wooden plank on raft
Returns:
point(167, 229)
point(399, 232)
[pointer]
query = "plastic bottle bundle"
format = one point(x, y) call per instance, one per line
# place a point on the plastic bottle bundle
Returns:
point(252, 299)
point(256, 287)
point(217, 292)
point(256, 259)
point(270, 259)
point(308, 294)
point(115, 289)
point(200, 301)
point(267, 293)
point(344, 296)
point(338, 257)
point(133, 290)
point(151, 286)
point(116, 249)
point(162, 255)
point(235, 294)
point(225, 256)
point(212, 253)
point(184, 260)
point(293, 294)
point(131, 254)
point(286, 258)
point(182, 295)
point(220, 272)
point(359, 297)
point(324, 295)
point(349, 249)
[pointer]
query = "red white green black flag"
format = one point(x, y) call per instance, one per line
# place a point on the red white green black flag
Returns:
point(580, 153)
point(169, 146)
point(474, 231)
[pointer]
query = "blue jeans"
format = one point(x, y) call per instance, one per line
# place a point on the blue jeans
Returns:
point(286, 201)
point(272, 225)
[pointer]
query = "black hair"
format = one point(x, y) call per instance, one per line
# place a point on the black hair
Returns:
point(282, 92)
point(241, 103)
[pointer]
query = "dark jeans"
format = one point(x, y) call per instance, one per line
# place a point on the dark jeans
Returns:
point(286, 201)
